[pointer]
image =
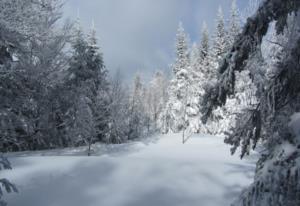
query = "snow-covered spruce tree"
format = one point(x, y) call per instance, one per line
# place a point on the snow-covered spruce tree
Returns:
point(206, 60)
point(234, 23)
point(210, 64)
point(195, 91)
point(225, 117)
point(34, 39)
point(99, 87)
point(277, 174)
point(179, 85)
point(12, 89)
point(86, 81)
point(200, 74)
point(45, 53)
point(13, 92)
point(44, 60)
point(84, 128)
point(220, 40)
point(5, 185)
point(245, 90)
point(204, 43)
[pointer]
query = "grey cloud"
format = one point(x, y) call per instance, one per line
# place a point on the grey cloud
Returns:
point(138, 35)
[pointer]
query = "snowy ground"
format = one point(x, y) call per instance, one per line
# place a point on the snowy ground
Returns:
point(160, 171)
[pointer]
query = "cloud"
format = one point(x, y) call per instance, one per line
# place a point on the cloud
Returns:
point(138, 35)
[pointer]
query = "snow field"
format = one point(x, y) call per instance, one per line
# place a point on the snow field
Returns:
point(159, 172)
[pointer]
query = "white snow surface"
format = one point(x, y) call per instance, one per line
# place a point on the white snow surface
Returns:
point(158, 171)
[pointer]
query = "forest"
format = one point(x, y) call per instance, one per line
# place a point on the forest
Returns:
point(238, 86)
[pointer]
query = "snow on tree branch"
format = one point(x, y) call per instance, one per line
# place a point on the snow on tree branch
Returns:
point(246, 43)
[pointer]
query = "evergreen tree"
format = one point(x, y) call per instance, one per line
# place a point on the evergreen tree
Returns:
point(220, 41)
point(220, 117)
point(234, 23)
point(204, 45)
point(179, 86)
point(182, 60)
point(274, 118)
point(99, 86)
point(206, 58)
point(87, 80)
point(82, 88)
point(35, 44)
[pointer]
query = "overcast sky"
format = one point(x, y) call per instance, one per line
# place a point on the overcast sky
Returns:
point(138, 35)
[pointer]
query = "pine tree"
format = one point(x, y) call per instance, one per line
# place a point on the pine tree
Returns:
point(179, 86)
point(219, 43)
point(182, 60)
point(234, 23)
point(35, 41)
point(206, 58)
point(99, 86)
point(222, 117)
point(87, 79)
point(204, 45)
point(95, 62)
point(42, 97)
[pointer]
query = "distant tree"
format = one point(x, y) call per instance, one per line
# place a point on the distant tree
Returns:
point(195, 58)
point(157, 98)
point(234, 23)
point(136, 110)
point(182, 46)
point(206, 56)
point(119, 111)
point(220, 39)
point(177, 88)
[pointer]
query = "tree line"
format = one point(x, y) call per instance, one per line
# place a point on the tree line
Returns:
point(55, 89)
point(244, 84)
point(195, 69)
